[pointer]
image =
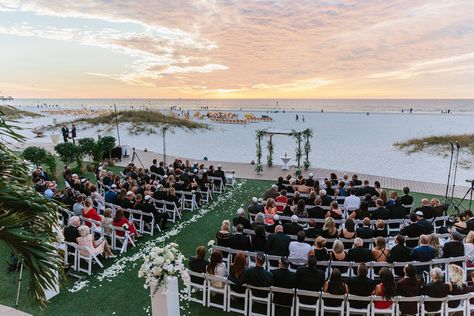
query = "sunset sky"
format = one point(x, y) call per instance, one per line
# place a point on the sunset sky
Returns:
point(237, 49)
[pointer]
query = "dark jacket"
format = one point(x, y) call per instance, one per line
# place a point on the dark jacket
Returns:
point(453, 249)
point(259, 277)
point(380, 213)
point(396, 211)
point(309, 279)
point(292, 228)
point(359, 254)
point(406, 287)
point(361, 286)
point(435, 289)
point(255, 208)
point(241, 220)
point(277, 244)
point(285, 279)
point(412, 230)
point(199, 266)
point(316, 212)
point(399, 253)
point(428, 211)
point(240, 242)
point(365, 232)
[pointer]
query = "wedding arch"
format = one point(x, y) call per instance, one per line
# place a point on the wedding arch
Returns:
point(300, 136)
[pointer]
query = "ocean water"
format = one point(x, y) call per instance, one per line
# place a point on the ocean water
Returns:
point(342, 140)
point(328, 105)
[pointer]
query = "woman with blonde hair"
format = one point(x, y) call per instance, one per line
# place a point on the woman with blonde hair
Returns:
point(223, 235)
point(329, 229)
point(339, 254)
point(320, 251)
point(433, 242)
point(270, 209)
point(456, 283)
point(86, 239)
point(380, 252)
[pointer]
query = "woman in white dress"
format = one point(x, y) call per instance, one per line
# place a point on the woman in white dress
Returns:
point(86, 239)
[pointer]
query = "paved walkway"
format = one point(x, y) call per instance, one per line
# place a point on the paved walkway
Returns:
point(10, 311)
point(246, 170)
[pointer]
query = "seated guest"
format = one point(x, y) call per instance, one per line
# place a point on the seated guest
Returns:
point(433, 242)
point(461, 224)
point(456, 283)
point(310, 181)
point(351, 202)
point(272, 193)
point(320, 251)
point(348, 232)
point(78, 207)
point(409, 286)
point(311, 198)
point(90, 212)
point(276, 222)
point(367, 189)
point(469, 247)
point(360, 285)
point(426, 208)
point(335, 286)
point(238, 240)
point(198, 263)
point(339, 254)
point(299, 250)
point(454, 247)
point(107, 221)
point(380, 212)
point(258, 276)
point(423, 253)
point(362, 212)
point(255, 207)
point(259, 240)
point(278, 243)
point(223, 235)
point(406, 198)
point(393, 196)
point(436, 288)
point(282, 198)
point(309, 278)
point(369, 200)
point(365, 232)
point(284, 278)
point(293, 228)
point(317, 211)
point(71, 233)
point(148, 207)
point(281, 184)
point(397, 210)
point(380, 229)
point(359, 253)
point(129, 200)
point(270, 209)
point(329, 228)
point(171, 197)
point(399, 253)
point(300, 209)
point(329, 190)
point(386, 288)
point(426, 226)
point(241, 219)
point(334, 211)
point(438, 207)
point(341, 190)
point(413, 230)
point(380, 252)
point(237, 271)
point(326, 199)
point(259, 221)
point(289, 208)
point(311, 231)
point(86, 239)
point(121, 221)
point(356, 181)
point(217, 268)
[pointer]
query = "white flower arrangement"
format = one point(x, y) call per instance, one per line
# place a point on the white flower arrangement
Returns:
point(211, 243)
point(162, 263)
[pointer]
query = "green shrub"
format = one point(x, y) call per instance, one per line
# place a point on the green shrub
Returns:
point(36, 155)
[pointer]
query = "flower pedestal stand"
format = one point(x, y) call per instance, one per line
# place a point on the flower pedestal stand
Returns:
point(165, 302)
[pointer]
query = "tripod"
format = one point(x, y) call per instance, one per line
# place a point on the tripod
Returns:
point(135, 155)
point(470, 193)
point(19, 285)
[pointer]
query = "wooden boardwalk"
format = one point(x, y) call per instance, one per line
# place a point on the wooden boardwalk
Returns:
point(246, 170)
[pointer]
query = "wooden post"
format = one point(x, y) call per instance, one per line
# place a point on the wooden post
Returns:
point(299, 150)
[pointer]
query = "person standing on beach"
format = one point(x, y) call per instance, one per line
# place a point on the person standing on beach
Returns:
point(65, 132)
point(73, 133)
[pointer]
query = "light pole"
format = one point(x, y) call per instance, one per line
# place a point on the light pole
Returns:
point(163, 133)
point(116, 124)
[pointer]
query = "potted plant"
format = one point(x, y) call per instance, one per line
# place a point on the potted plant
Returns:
point(86, 146)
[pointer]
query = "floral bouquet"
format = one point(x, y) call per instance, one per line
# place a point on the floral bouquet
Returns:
point(162, 263)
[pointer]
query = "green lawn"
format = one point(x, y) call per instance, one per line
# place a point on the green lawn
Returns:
point(124, 294)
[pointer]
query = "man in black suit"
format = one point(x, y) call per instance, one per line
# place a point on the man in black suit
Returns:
point(154, 166)
point(365, 232)
point(277, 243)
point(399, 253)
point(317, 211)
point(367, 189)
point(238, 240)
point(397, 210)
point(454, 247)
point(149, 207)
point(359, 253)
point(309, 278)
point(436, 288)
point(310, 182)
point(380, 212)
point(355, 180)
point(255, 208)
point(406, 198)
point(360, 285)
point(284, 278)
point(312, 231)
point(161, 169)
point(426, 208)
point(426, 226)
point(65, 132)
point(292, 228)
point(272, 193)
point(71, 232)
point(221, 174)
point(412, 230)
point(240, 219)
point(258, 276)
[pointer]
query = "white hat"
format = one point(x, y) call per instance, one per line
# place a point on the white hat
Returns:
point(147, 197)
point(254, 200)
point(294, 218)
point(310, 175)
point(419, 213)
point(260, 200)
point(165, 176)
point(130, 193)
point(274, 186)
point(240, 211)
point(113, 186)
point(276, 217)
point(74, 175)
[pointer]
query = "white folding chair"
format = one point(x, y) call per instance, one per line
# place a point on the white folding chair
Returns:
point(259, 299)
point(124, 240)
point(73, 253)
point(403, 305)
point(382, 311)
point(462, 307)
point(212, 291)
point(304, 306)
point(351, 309)
point(286, 292)
point(89, 258)
point(234, 297)
point(172, 210)
point(340, 309)
point(197, 285)
point(440, 310)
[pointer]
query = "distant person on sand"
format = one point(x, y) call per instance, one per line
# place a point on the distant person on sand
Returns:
point(65, 132)
point(297, 117)
point(73, 133)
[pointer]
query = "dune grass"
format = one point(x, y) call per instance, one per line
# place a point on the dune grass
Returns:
point(141, 121)
point(439, 143)
point(13, 113)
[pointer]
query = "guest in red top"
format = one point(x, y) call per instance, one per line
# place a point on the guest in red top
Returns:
point(120, 220)
point(270, 209)
point(386, 289)
point(282, 198)
point(90, 212)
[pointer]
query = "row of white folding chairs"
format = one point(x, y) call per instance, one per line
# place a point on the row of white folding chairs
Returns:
point(204, 287)
point(138, 217)
point(77, 255)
